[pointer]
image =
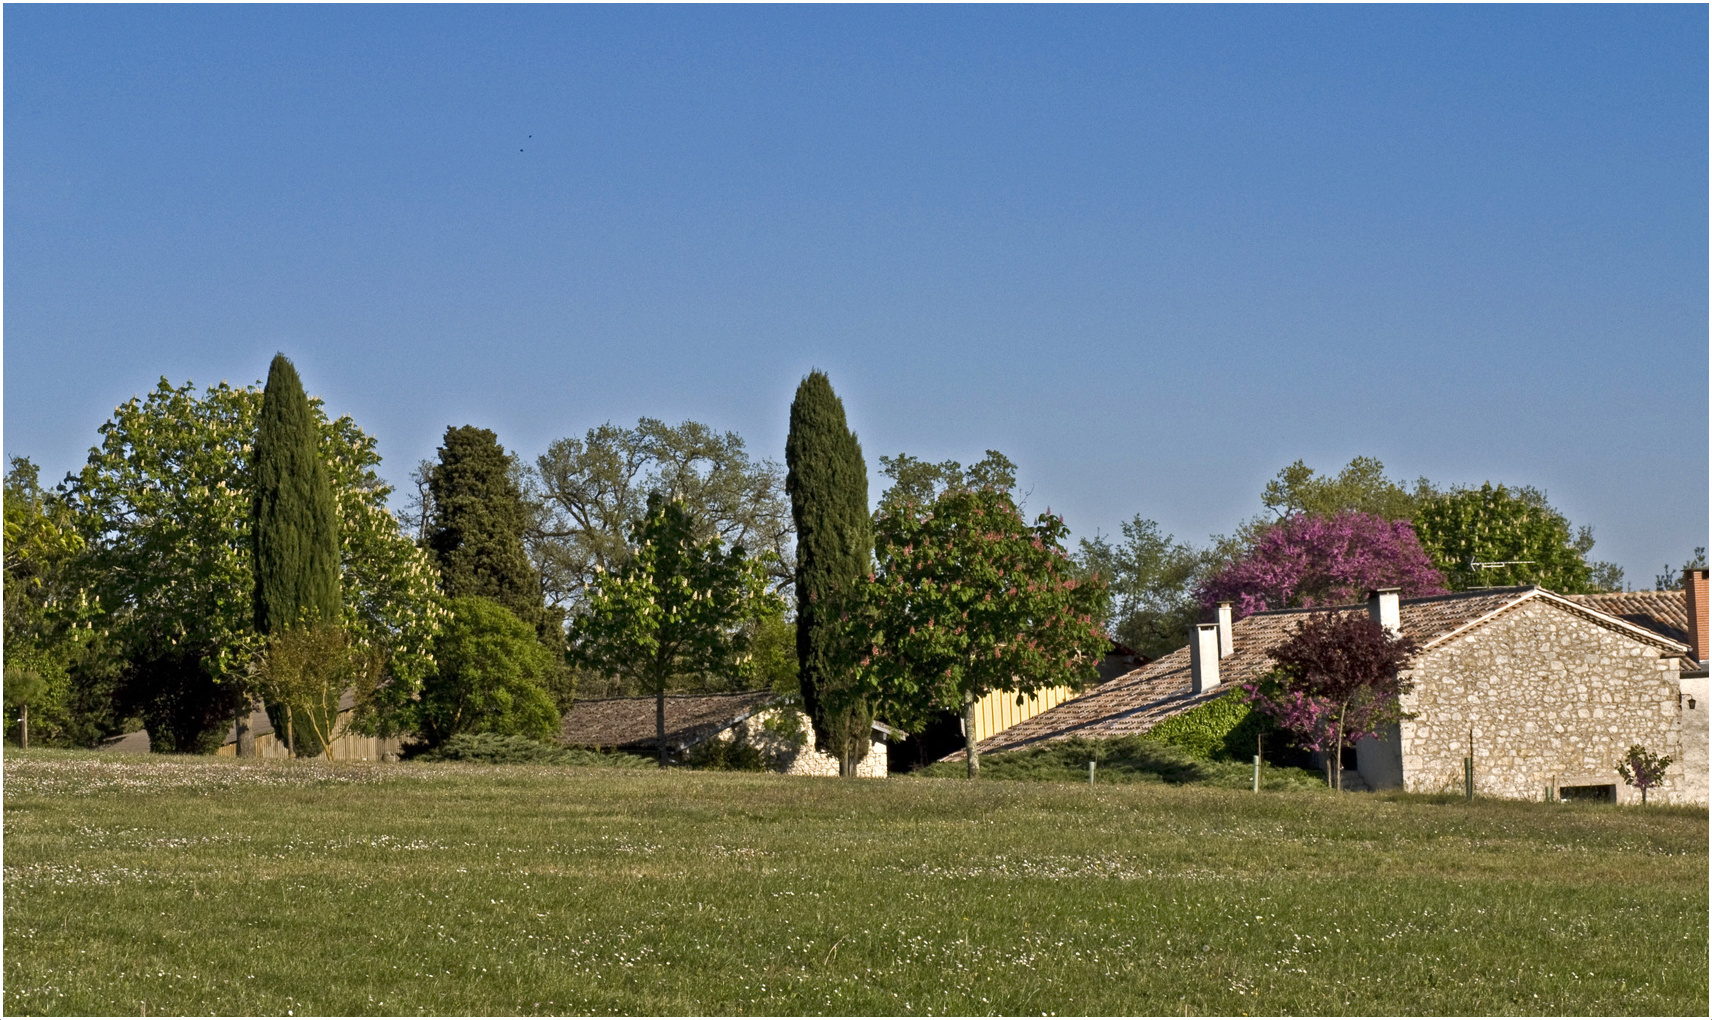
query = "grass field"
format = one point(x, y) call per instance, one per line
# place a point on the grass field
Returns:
point(182, 885)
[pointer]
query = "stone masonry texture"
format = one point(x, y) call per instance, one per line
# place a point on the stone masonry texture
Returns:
point(1549, 695)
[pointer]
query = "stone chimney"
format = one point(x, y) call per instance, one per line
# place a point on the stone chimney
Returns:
point(1385, 608)
point(1227, 637)
point(1694, 588)
point(1204, 656)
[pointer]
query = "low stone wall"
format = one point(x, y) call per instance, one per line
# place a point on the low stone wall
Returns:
point(1553, 699)
point(784, 736)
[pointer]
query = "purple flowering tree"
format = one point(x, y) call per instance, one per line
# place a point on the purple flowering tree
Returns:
point(1308, 560)
point(1338, 678)
point(1642, 769)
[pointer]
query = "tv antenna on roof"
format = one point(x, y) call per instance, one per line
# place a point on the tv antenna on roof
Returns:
point(1474, 564)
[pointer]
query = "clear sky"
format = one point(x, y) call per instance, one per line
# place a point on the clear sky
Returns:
point(1151, 254)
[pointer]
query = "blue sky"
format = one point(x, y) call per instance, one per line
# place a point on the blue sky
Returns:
point(1152, 254)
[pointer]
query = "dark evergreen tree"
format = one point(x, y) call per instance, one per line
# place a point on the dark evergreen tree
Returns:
point(477, 532)
point(294, 524)
point(828, 485)
point(476, 536)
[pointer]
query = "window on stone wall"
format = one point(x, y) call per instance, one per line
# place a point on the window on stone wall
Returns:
point(1606, 794)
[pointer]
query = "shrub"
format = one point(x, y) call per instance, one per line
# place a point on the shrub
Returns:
point(1136, 759)
point(726, 756)
point(491, 678)
point(1223, 729)
point(507, 749)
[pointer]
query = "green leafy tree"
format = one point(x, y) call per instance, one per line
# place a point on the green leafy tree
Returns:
point(476, 533)
point(917, 482)
point(46, 617)
point(590, 493)
point(163, 505)
point(1152, 578)
point(773, 649)
point(1361, 486)
point(828, 485)
point(680, 611)
point(294, 526)
point(25, 686)
point(305, 672)
point(493, 677)
point(969, 599)
point(1526, 538)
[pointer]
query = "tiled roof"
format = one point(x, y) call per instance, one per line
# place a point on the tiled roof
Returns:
point(1663, 612)
point(1138, 701)
point(628, 723)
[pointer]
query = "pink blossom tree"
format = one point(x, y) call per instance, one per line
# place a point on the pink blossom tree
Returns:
point(1309, 560)
point(1339, 678)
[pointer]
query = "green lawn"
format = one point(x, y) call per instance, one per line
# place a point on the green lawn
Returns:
point(183, 885)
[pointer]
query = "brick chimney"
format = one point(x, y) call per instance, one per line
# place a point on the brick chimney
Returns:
point(1204, 656)
point(1694, 588)
point(1385, 608)
point(1227, 637)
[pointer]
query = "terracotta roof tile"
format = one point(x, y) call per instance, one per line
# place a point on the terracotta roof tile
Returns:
point(628, 723)
point(1662, 612)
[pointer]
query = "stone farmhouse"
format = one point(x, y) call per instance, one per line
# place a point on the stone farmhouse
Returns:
point(1545, 691)
point(763, 720)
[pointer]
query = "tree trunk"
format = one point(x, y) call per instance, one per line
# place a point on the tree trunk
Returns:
point(660, 722)
point(974, 756)
point(246, 746)
point(24, 733)
point(290, 732)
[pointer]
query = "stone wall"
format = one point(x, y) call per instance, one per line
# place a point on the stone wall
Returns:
point(784, 736)
point(1552, 698)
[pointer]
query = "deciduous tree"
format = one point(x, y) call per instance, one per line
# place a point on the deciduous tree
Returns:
point(1361, 486)
point(1316, 561)
point(1517, 529)
point(304, 673)
point(680, 610)
point(917, 482)
point(592, 492)
point(46, 617)
point(1642, 769)
point(493, 677)
point(1152, 578)
point(1672, 578)
point(1338, 679)
point(164, 507)
point(969, 599)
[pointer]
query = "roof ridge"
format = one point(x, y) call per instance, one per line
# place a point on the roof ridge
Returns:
point(669, 697)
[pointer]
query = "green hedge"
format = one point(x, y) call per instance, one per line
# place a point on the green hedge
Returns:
point(1223, 729)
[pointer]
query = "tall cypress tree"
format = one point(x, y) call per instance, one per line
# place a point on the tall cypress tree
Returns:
point(828, 485)
point(476, 534)
point(294, 522)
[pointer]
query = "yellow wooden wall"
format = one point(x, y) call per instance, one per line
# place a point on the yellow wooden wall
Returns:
point(1000, 711)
